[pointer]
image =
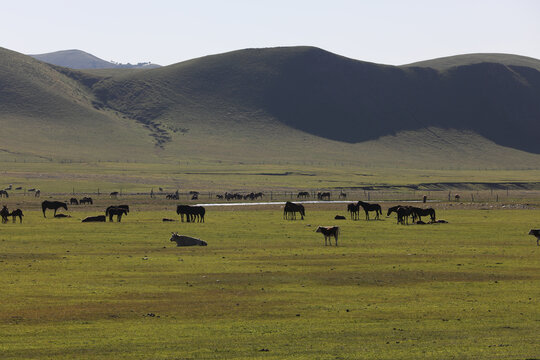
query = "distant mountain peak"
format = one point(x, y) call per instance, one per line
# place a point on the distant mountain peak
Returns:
point(78, 59)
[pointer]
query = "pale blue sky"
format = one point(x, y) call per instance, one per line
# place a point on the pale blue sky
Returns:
point(166, 31)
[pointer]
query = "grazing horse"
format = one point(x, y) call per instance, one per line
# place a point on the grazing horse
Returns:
point(73, 201)
point(15, 214)
point(342, 195)
point(99, 218)
point(419, 212)
point(54, 205)
point(114, 194)
point(118, 211)
point(371, 207)
point(86, 200)
point(4, 193)
point(354, 210)
point(290, 210)
point(536, 233)
point(328, 232)
point(192, 213)
point(302, 194)
point(4, 213)
point(182, 240)
point(323, 196)
point(402, 215)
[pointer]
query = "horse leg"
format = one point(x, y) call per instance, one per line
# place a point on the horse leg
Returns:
point(119, 217)
point(336, 238)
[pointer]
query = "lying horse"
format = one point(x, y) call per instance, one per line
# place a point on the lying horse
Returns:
point(98, 218)
point(371, 207)
point(182, 240)
point(54, 205)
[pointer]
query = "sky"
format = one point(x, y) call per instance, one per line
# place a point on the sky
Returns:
point(165, 31)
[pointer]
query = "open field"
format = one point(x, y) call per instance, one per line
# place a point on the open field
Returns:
point(468, 289)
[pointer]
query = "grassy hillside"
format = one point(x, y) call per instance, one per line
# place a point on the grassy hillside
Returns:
point(299, 105)
point(77, 59)
point(447, 62)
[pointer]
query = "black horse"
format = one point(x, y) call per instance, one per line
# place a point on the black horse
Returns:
point(4, 213)
point(118, 211)
point(54, 205)
point(354, 210)
point(323, 195)
point(403, 213)
point(419, 212)
point(73, 201)
point(4, 193)
point(290, 210)
point(125, 207)
point(302, 194)
point(192, 213)
point(371, 207)
point(86, 200)
point(16, 213)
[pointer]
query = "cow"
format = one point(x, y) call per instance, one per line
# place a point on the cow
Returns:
point(182, 240)
point(99, 218)
point(536, 233)
point(328, 232)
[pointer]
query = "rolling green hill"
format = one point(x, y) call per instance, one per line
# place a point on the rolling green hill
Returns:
point(276, 104)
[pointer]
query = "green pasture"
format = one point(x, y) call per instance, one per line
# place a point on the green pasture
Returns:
point(185, 175)
point(268, 288)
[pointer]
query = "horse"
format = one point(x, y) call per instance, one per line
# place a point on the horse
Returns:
point(114, 194)
point(342, 195)
point(16, 213)
point(4, 193)
point(54, 205)
point(73, 201)
point(4, 213)
point(118, 211)
point(86, 200)
point(403, 213)
point(98, 218)
point(290, 210)
point(419, 212)
point(353, 209)
point(371, 207)
point(192, 213)
point(125, 207)
point(323, 196)
point(182, 240)
point(329, 231)
point(37, 193)
point(302, 194)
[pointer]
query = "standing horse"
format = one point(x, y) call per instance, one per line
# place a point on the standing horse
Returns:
point(419, 212)
point(192, 213)
point(4, 193)
point(4, 213)
point(290, 210)
point(16, 213)
point(86, 200)
point(403, 213)
point(125, 207)
point(118, 211)
point(53, 205)
point(353, 209)
point(371, 207)
point(73, 201)
point(302, 194)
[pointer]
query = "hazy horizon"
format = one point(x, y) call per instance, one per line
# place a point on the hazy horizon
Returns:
point(166, 32)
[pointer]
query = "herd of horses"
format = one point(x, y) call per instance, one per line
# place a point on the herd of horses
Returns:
point(403, 212)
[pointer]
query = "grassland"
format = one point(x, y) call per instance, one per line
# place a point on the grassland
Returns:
point(465, 290)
